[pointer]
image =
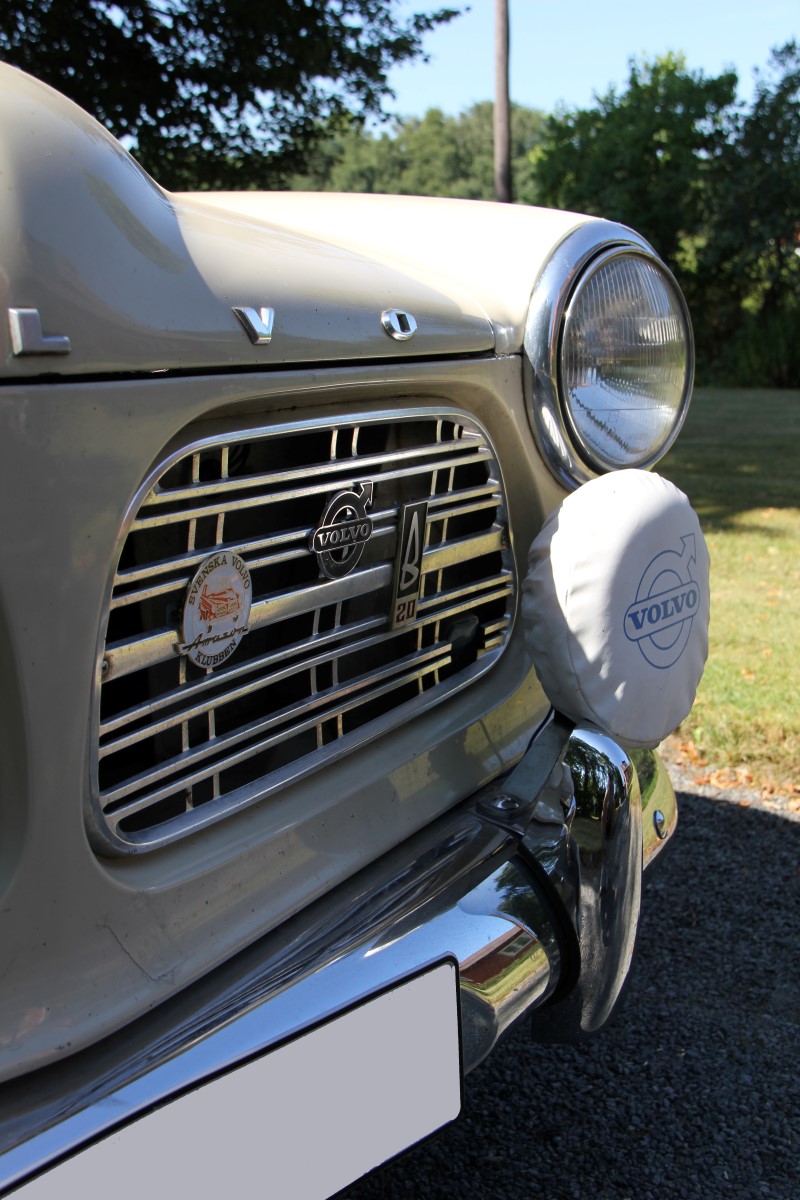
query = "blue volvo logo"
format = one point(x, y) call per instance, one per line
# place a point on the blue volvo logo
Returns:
point(667, 600)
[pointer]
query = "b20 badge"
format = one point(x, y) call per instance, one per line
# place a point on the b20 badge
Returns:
point(408, 563)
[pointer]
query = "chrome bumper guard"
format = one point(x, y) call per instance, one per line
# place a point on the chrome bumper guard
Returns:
point(533, 886)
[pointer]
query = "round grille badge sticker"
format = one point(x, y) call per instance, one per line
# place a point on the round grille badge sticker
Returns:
point(216, 610)
point(667, 599)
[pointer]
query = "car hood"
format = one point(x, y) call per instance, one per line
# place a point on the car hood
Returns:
point(140, 280)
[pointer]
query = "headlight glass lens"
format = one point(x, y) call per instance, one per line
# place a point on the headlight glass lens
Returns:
point(626, 361)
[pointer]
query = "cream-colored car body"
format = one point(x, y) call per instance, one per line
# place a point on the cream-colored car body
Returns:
point(140, 280)
point(143, 285)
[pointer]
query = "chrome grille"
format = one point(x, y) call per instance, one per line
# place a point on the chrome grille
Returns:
point(320, 668)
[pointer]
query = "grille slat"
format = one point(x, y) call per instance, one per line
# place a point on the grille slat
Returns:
point(347, 480)
point(235, 760)
point(441, 506)
point(161, 495)
point(209, 682)
point(188, 692)
point(286, 716)
point(320, 668)
point(163, 645)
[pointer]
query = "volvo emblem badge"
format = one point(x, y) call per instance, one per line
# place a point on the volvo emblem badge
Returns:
point(343, 531)
point(408, 563)
point(216, 609)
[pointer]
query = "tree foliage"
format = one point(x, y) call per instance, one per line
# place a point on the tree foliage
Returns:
point(436, 155)
point(755, 226)
point(640, 155)
point(714, 185)
point(215, 92)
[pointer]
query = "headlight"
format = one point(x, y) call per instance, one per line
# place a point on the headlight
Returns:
point(624, 363)
point(610, 341)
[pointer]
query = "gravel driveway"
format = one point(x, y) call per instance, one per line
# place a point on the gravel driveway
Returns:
point(694, 1090)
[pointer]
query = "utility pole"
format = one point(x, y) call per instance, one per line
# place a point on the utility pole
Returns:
point(502, 112)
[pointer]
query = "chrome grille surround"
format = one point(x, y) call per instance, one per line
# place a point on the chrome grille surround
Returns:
point(320, 670)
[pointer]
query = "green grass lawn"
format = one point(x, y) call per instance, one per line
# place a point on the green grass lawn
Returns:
point(738, 460)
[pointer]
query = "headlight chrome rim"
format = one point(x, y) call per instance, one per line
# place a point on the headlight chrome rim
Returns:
point(582, 253)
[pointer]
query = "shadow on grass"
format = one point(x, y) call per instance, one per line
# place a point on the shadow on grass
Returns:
point(693, 1090)
point(738, 452)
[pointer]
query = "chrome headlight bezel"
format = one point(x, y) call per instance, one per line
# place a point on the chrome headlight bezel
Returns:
point(579, 256)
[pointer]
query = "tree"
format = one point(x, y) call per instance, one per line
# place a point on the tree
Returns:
point(436, 155)
point(750, 260)
point(641, 156)
point(755, 230)
point(216, 92)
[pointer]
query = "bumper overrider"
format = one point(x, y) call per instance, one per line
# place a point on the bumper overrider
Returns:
point(528, 894)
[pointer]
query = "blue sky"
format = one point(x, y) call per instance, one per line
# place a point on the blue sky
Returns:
point(566, 50)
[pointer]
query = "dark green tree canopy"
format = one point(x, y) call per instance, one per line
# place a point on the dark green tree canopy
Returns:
point(433, 155)
point(639, 155)
point(755, 231)
point(714, 185)
point(203, 90)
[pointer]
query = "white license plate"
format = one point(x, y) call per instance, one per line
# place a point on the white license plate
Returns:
point(299, 1122)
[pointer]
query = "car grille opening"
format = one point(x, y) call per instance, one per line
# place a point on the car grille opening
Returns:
point(320, 668)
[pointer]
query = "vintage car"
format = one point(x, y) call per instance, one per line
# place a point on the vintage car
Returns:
point(339, 619)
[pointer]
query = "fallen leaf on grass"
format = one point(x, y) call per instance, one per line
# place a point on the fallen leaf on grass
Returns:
point(724, 778)
point(690, 751)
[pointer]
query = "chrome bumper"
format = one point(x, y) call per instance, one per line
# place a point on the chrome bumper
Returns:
point(533, 887)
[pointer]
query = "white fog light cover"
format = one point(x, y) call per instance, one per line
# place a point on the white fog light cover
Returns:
point(616, 606)
point(626, 360)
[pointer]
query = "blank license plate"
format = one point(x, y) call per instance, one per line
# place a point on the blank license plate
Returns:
point(299, 1122)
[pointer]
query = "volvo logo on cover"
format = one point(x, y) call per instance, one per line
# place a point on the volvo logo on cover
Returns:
point(408, 563)
point(667, 599)
point(216, 610)
point(343, 531)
